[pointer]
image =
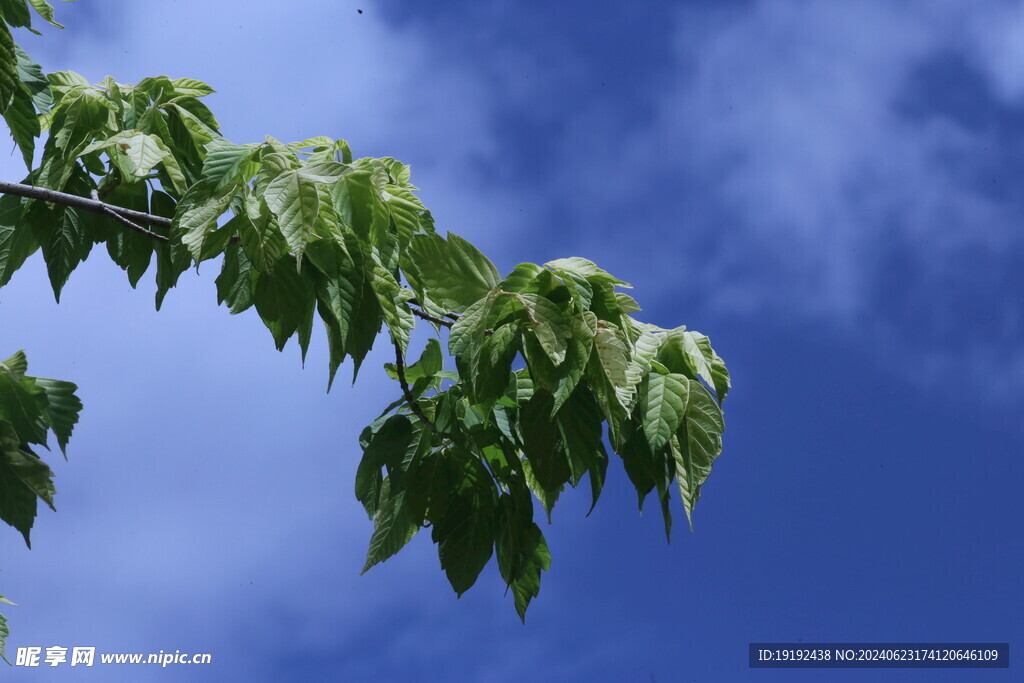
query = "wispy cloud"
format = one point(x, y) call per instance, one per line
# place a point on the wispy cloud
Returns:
point(796, 163)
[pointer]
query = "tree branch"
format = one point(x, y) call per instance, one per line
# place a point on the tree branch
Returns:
point(121, 219)
point(93, 205)
point(428, 317)
point(409, 398)
point(447, 314)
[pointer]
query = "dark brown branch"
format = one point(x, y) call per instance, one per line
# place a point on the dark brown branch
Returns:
point(409, 398)
point(93, 205)
point(124, 221)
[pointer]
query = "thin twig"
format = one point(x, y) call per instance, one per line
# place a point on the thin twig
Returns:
point(93, 205)
point(428, 317)
point(447, 314)
point(409, 398)
point(121, 219)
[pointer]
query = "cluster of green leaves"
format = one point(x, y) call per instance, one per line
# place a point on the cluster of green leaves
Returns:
point(550, 366)
point(30, 407)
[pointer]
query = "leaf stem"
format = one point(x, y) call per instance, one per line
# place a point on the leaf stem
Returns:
point(409, 398)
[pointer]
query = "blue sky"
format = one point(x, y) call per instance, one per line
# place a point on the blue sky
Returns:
point(829, 190)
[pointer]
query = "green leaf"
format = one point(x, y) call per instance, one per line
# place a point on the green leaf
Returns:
point(581, 344)
point(62, 408)
point(196, 215)
point(547, 322)
point(33, 80)
point(65, 242)
point(22, 403)
point(141, 153)
point(610, 352)
point(23, 124)
point(466, 335)
point(392, 298)
point(45, 10)
point(406, 211)
point(431, 482)
point(77, 118)
point(547, 497)
point(453, 271)
point(285, 299)
point(521, 277)
point(393, 528)
point(237, 280)
point(17, 501)
point(17, 241)
point(429, 363)
point(325, 172)
point(17, 365)
point(8, 70)
point(172, 258)
point(224, 161)
point(579, 423)
point(542, 442)
point(33, 473)
point(66, 81)
point(697, 444)
point(15, 12)
point(295, 202)
point(493, 367)
point(522, 555)
point(259, 233)
point(662, 405)
point(191, 87)
point(689, 353)
point(465, 535)
point(384, 442)
point(197, 129)
point(4, 631)
point(130, 250)
point(339, 288)
point(586, 269)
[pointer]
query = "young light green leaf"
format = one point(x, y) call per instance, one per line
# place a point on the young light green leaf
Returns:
point(294, 200)
point(551, 327)
point(259, 233)
point(45, 10)
point(696, 445)
point(224, 161)
point(453, 271)
point(190, 87)
point(325, 172)
point(467, 333)
point(614, 360)
point(581, 267)
point(392, 298)
point(196, 215)
point(16, 365)
point(662, 405)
